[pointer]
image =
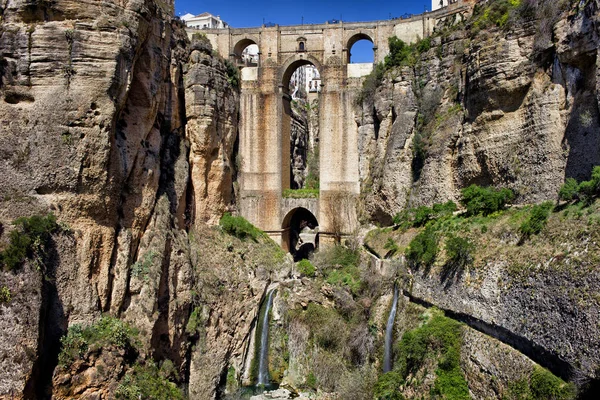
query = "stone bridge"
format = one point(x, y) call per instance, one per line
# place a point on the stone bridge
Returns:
point(264, 134)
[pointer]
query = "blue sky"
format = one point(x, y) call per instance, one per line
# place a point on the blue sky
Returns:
point(250, 13)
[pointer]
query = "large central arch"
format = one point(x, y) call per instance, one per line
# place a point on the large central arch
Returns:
point(300, 233)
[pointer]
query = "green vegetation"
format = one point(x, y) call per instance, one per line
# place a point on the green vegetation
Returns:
point(423, 249)
point(459, 252)
point(149, 382)
point(141, 268)
point(107, 331)
point(300, 193)
point(28, 240)
point(541, 385)
point(585, 191)
point(339, 266)
point(416, 217)
point(348, 276)
point(485, 200)
point(402, 53)
point(537, 220)
point(496, 13)
point(438, 336)
point(233, 74)
point(195, 322)
point(388, 385)
point(239, 227)
point(5, 295)
point(306, 268)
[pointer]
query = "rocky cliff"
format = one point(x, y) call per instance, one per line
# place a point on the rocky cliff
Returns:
point(513, 106)
point(124, 130)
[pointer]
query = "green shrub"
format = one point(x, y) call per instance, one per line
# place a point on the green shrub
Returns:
point(438, 335)
point(5, 295)
point(416, 217)
point(239, 227)
point(388, 386)
point(233, 74)
point(423, 249)
point(485, 200)
point(148, 382)
point(569, 191)
point(545, 385)
point(195, 322)
point(107, 331)
point(306, 268)
point(537, 219)
point(28, 239)
point(459, 251)
point(370, 84)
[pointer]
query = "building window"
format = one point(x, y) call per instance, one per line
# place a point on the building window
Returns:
point(301, 46)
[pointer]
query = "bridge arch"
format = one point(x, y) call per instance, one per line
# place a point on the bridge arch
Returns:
point(300, 233)
point(355, 38)
point(291, 64)
point(240, 46)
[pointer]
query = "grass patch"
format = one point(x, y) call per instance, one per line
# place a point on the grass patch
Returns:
point(5, 295)
point(300, 193)
point(239, 227)
point(423, 249)
point(306, 268)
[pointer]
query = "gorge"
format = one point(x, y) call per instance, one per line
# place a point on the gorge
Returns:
point(152, 189)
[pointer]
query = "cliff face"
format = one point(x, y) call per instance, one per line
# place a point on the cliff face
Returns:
point(512, 106)
point(114, 123)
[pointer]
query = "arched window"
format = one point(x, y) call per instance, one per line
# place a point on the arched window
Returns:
point(301, 46)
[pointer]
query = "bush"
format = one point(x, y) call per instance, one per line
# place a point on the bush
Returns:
point(239, 227)
point(108, 331)
point(5, 295)
point(29, 239)
point(148, 382)
point(585, 191)
point(416, 217)
point(423, 249)
point(537, 219)
point(569, 191)
point(388, 386)
point(306, 268)
point(459, 251)
point(485, 200)
point(439, 334)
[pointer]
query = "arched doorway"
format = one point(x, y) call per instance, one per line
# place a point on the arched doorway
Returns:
point(360, 49)
point(300, 233)
point(301, 85)
point(246, 53)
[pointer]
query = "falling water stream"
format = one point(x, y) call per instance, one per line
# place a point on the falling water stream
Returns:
point(389, 331)
point(263, 353)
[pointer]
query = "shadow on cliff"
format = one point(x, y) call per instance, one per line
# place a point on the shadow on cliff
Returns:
point(52, 326)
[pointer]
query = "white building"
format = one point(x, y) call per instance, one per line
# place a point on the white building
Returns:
point(306, 79)
point(204, 21)
point(436, 4)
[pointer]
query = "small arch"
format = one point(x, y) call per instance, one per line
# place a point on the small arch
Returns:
point(363, 42)
point(300, 46)
point(300, 233)
point(246, 58)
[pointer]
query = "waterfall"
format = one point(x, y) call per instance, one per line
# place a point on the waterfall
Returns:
point(263, 351)
point(389, 333)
